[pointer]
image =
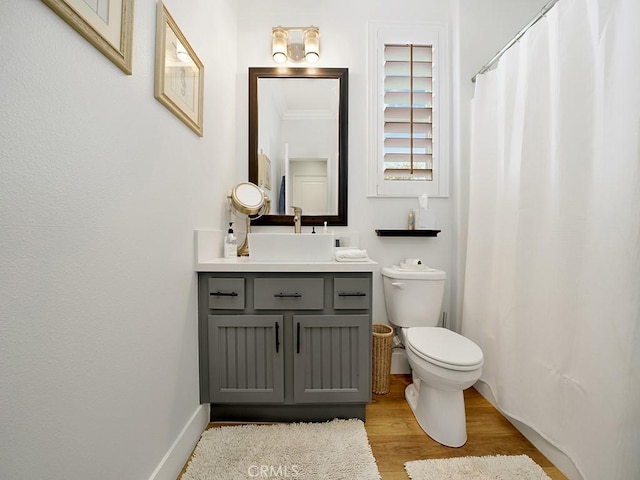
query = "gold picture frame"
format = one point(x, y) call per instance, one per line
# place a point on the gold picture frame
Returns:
point(264, 171)
point(106, 24)
point(179, 73)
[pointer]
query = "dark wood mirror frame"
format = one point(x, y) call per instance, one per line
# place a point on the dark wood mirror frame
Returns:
point(341, 74)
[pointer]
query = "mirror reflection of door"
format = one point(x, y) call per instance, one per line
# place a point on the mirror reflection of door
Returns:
point(309, 185)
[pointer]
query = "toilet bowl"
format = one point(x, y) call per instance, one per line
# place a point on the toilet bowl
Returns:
point(443, 363)
point(436, 397)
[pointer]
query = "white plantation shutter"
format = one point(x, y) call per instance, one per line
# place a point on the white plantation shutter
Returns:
point(408, 112)
point(409, 103)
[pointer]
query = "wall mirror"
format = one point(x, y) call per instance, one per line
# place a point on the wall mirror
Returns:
point(298, 120)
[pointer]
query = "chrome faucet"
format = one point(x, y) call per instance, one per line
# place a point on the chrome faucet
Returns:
point(297, 219)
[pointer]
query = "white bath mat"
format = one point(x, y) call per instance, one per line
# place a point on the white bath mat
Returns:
point(499, 467)
point(335, 450)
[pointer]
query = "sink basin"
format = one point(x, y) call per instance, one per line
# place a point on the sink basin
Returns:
point(291, 247)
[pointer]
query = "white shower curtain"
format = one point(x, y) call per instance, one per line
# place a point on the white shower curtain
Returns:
point(552, 282)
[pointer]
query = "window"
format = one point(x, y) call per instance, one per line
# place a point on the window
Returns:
point(409, 122)
point(407, 129)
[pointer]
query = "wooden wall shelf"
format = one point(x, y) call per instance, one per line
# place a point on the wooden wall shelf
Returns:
point(407, 233)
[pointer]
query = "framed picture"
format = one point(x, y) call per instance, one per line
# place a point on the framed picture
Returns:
point(106, 24)
point(179, 75)
point(264, 171)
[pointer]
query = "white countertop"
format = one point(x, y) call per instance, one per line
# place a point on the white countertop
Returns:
point(245, 264)
point(209, 247)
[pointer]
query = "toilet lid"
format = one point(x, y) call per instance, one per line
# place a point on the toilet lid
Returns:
point(444, 347)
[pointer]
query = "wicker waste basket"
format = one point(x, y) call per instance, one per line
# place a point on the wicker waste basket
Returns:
point(382, 340)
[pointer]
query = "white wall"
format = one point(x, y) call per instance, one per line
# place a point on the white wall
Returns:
point(101, 188)
point(478, 29)
point(343, 43)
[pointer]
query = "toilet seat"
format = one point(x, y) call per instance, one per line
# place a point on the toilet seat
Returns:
point(444, 348)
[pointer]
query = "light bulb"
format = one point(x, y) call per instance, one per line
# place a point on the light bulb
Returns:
point(311, 45)
point(279, 45)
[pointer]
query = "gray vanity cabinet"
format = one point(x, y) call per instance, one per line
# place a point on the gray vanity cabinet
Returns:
point(285, 346)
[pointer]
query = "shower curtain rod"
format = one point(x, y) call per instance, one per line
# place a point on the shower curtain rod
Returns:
point(497, 56)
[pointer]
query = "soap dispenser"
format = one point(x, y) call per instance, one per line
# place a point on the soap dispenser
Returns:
point(230, 243)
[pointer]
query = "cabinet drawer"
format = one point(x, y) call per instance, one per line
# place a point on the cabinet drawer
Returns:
point(351, 293)
point(226, 293)
point(288, 293)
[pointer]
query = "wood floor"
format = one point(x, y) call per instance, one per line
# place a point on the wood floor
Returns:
point(395, 436)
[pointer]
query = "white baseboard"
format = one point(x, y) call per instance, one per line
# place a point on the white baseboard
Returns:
point(171, 464)
point(555, 456)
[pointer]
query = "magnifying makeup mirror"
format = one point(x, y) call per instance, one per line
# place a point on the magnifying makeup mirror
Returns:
point(248, 201)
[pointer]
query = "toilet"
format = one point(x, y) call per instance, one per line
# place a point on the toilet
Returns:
point(443, 363)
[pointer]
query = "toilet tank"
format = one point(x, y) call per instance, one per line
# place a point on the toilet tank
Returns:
point(413, 298)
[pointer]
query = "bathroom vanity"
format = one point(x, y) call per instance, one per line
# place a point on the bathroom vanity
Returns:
point(285, 341)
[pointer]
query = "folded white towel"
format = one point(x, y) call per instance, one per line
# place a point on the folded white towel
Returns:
point(351, 255)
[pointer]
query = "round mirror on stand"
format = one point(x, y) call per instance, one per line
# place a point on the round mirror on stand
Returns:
point(248, 201)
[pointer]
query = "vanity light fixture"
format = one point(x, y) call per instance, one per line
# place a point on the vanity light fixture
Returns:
point(295, 44)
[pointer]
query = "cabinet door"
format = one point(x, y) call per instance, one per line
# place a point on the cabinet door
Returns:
point(246, 358)
point(332, 358)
